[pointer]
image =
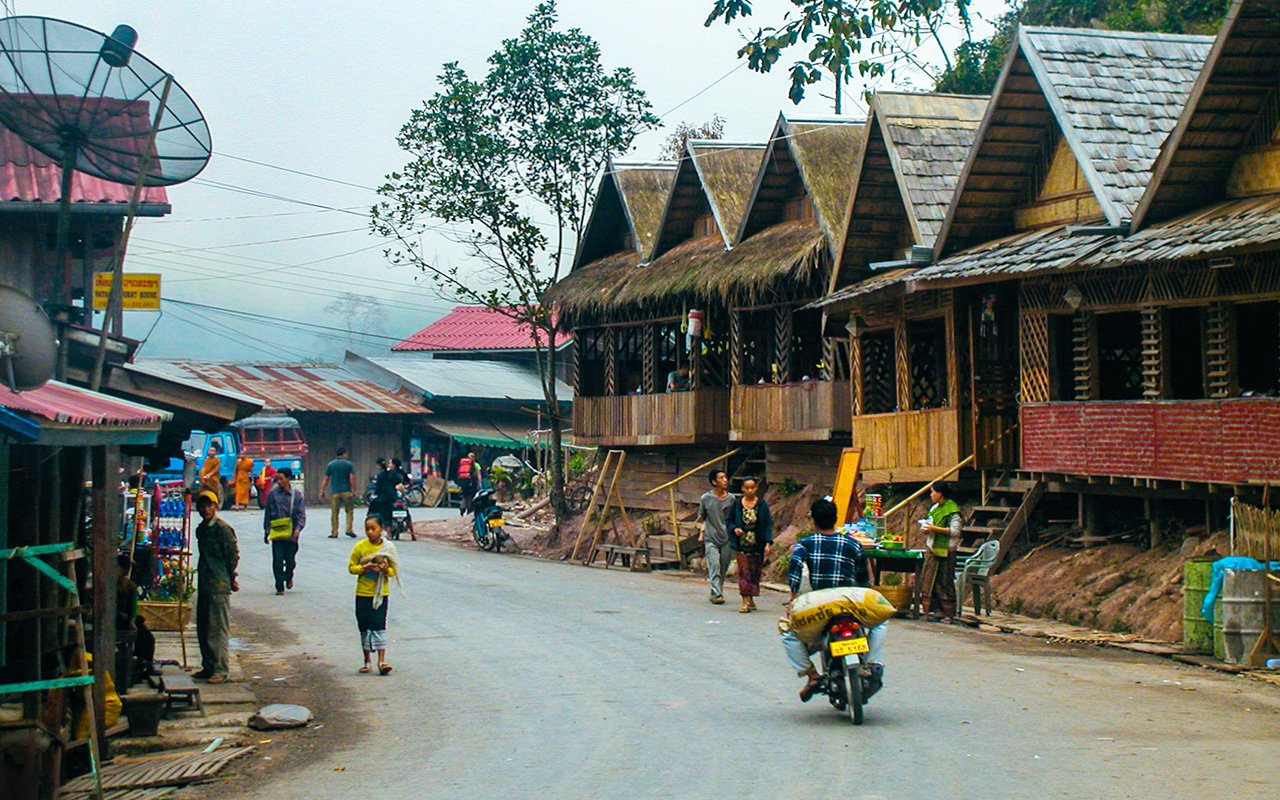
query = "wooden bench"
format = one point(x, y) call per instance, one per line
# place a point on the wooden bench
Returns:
point(180, 689)
point(631, 557)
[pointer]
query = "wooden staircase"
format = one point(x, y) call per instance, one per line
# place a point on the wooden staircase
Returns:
point(752, 464)
point(1003, 516)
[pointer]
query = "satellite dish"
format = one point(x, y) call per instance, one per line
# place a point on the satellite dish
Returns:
point(90, 101)
point(28, 344)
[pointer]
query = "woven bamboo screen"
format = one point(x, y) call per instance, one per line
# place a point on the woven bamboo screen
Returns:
point(1253, 526)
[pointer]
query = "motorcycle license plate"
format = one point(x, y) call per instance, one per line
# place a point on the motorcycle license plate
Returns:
point(400, 514)
point(497, 523)
point(849, 647)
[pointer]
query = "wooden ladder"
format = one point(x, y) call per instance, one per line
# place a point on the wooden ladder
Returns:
point(1002, 516)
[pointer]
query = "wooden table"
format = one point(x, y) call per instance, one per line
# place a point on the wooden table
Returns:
point(908, 562)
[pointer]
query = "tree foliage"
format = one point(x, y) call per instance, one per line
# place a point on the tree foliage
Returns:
point(488, 154)
point(841, 37)
point(674, 145)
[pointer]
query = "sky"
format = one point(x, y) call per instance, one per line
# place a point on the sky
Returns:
point(304, 102)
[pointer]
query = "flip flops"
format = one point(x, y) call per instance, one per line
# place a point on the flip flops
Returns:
point(384, 668)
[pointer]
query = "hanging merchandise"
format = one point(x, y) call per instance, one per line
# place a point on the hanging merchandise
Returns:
point(693, 329)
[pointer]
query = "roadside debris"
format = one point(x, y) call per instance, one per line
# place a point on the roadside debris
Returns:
point(280, 715)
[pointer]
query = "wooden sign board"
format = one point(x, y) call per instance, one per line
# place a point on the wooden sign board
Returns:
point(140, 291)
point(845, 493)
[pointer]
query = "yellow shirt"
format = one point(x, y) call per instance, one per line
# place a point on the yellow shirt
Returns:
point(368, 580)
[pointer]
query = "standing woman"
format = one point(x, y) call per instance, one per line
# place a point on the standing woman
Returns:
point(373, 559)
point(751, 535)
point(283, 516)
point(244, 469)
point(384, 492)
point(941, 526)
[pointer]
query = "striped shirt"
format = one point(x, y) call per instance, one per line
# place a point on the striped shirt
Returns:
point(834, 559)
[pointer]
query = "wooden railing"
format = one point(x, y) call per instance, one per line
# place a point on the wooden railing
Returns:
point(909, 440)
point(809, 411)
point(652, 419)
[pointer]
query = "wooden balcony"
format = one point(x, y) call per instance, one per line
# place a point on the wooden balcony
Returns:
point(652, 419)
point(908, 446)
point(1234, 441)
point(813, 411)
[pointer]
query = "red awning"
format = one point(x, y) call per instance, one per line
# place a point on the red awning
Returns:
point(71, 405)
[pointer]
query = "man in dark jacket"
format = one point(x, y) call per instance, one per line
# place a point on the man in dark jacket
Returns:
point(215, 581)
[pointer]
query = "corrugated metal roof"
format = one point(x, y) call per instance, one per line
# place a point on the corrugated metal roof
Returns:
point(471, 328)
point(478, 380)
point(70, 405)
point(29, 176)
point(287, 386)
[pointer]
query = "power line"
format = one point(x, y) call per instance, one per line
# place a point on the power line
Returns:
point(297, 323)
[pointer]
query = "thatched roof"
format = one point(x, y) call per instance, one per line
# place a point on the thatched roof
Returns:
point(591, 287)
point(1221, 118)
point(810, 156)
point(728, 171)
point(630, 199)
point(703, 268)
point(907, 171)
point(1114, 96)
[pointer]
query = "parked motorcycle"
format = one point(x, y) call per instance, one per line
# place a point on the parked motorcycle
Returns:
point(415, 494)
point(847, 679)
point(487, 521)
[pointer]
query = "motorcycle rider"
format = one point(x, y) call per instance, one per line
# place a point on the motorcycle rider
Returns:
point(834, 560)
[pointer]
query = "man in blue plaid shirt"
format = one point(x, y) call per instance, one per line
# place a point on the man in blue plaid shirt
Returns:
point(834, 560)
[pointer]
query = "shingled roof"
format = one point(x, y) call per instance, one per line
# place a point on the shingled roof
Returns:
point(1233, 94)
point(915, 147)
point(1114, 96)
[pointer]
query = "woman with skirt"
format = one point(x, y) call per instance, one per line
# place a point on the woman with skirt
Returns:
point(942, 527)
point(750, 527)
point(373, 559)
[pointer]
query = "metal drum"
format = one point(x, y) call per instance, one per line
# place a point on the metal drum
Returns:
point(1242, 606)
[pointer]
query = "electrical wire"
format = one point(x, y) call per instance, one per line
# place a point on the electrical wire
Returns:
point(296, 323)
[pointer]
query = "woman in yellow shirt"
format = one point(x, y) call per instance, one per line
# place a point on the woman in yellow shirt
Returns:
point(373, 559)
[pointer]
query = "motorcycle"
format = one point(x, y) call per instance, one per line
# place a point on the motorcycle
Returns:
point(401, 522)
point(847, 679)
point(487, 521)
point(415, 494)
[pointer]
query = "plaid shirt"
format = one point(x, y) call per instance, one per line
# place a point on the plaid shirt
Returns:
point(834, 559)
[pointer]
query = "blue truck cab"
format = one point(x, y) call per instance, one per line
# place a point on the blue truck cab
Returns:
point(275, 439)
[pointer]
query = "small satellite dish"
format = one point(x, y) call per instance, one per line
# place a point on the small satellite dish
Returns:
point(28, 344)
point(89, 100)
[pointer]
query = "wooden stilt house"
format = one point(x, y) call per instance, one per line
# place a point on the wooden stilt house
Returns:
point(906, 350)
point(790, 382)
point(1054, 183)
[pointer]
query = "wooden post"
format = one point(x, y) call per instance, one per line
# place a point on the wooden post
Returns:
point(675, 526)
point(782, 344)
point(735, 348)
point(855, 374)
point(610, 361)
point(649, 353)
point(104, 592)
point(1152, 509)
point(902, 364)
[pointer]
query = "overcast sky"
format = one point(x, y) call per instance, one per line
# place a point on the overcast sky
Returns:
point(322, 88)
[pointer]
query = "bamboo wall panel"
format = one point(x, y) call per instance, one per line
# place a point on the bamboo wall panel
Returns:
point(809, 411)
point(909, 439)
point(1034, 348)
point(1256, 172)
point(1064, 195)
point(653, 419)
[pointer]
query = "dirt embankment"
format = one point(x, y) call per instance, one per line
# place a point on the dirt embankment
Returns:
point(1119, 587)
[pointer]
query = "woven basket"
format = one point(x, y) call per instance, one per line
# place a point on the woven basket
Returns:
point(899, 595)
point(165, 616)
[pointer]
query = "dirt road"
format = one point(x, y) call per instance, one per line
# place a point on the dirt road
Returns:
point(516, 678)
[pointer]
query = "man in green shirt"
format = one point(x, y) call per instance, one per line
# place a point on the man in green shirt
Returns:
point(215, 581)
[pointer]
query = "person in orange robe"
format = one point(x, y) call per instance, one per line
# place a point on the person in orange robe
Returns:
point(244, 469)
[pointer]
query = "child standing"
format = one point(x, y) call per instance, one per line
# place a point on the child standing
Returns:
point(373, 559)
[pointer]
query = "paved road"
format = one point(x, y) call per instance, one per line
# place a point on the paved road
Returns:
point(517, 678)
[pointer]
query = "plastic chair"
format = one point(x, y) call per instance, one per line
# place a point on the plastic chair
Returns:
point(974, 571)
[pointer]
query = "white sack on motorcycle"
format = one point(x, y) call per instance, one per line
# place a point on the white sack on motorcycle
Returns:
point(810, 612)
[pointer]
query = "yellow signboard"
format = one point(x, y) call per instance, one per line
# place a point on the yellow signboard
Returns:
point(141, 291)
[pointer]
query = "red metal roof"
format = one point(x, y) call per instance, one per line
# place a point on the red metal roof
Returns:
point(27, 175)
point(470, 328)
point(63, 403)
point(294, 387)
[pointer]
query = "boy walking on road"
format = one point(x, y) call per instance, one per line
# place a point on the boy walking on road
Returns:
point(337, 479)
point(713, 508)
point(215, 581)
